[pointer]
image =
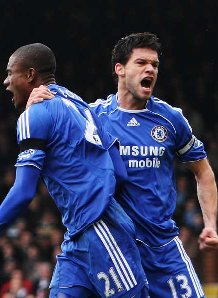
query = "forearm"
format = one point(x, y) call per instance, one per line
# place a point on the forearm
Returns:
point(19, 196)
point(207, 195)
point(11, 207)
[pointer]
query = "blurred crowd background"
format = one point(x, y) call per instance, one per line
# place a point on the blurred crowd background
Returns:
point(82, 35)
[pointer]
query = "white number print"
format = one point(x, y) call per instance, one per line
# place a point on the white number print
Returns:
point(91, 134)
point(183, 283)
point(110, 291)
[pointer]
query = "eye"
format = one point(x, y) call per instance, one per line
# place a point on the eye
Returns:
point(155, 65)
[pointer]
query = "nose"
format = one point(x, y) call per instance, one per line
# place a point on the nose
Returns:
point(6, 82)
point(149, 68)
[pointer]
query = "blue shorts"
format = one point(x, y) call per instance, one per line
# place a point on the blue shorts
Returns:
point(169, 271)
point(104, 260)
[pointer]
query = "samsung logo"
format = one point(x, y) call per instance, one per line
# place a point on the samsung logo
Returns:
point(142, 150)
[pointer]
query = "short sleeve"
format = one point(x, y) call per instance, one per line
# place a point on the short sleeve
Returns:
point(34, 123)
point(189, 148)
point(33, 130)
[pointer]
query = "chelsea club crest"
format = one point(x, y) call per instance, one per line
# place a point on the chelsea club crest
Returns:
point(159, 133)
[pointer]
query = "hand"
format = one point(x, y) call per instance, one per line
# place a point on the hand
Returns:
point(38, 95)
point(212, 242)
point(208, 239)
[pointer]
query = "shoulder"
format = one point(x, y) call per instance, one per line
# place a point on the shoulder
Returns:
point(36, 116)
point(166, 110)
point(159, 105)
point(49, 107)
point(101, 106)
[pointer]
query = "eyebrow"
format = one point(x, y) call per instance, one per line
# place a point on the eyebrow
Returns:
point(148, 60)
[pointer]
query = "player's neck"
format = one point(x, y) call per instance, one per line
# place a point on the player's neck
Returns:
point(48, 79)
point(128, 102)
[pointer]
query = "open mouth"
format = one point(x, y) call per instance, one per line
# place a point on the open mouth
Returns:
point(11, 94)
point(146, 82)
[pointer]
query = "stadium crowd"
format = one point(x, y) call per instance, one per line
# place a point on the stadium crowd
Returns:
point(187, 79)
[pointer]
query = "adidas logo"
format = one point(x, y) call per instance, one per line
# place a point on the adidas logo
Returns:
point(133, 122)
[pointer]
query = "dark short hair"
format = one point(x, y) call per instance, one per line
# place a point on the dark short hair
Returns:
point(124, 47)
point(37, 56)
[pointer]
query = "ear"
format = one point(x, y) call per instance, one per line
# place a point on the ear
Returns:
point(31, 74)
point(119, 69)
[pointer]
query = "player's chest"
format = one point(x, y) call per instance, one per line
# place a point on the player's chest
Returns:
point(142, 135)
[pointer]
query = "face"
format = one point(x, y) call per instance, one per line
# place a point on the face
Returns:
point(138, 77)
point(17, 82)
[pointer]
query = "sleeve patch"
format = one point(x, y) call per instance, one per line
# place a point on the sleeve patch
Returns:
point(31, 157)
point(27, 154)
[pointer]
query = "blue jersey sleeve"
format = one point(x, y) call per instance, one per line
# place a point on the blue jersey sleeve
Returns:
point(33, 130)
point(19, 196)
point(189, 148)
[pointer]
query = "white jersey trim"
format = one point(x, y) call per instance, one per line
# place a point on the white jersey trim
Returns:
point(123, 269)
point(27, 164)
point(23, 125)
point(193, 275)
point(102, 102)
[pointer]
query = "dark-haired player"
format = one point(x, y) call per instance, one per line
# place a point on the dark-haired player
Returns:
point(152, 135)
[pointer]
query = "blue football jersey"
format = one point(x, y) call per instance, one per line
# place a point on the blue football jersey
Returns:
point(71, 152)
point(150, 141)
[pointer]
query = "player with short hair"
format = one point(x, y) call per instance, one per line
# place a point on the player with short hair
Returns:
point(152, 135)
point(62, 142)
